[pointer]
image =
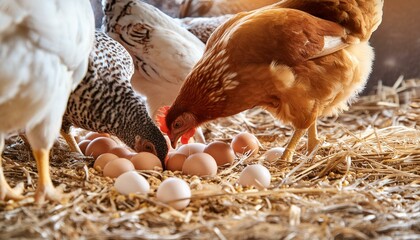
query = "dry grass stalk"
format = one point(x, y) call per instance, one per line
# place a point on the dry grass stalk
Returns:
point(362, 183)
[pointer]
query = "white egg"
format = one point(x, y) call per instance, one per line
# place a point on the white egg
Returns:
point(274, 154)
point(255, 175)
point(191, 148)
point(173, 189)
point(131, 182)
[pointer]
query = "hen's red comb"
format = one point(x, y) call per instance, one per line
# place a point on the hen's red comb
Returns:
point(161, 118)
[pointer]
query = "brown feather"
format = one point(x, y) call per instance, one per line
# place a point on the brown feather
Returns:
point(277, 58)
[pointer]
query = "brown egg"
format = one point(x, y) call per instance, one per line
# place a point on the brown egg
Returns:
point(94, 135)
point(191, 148)
point(99, 145)
point(200, 164)
point(221, 152)
point(131, 155)
point(146, 161)
point(176, 161)
point(117, 166)
point(121, 152)
point(83, 145)
point(103, 159)
point(244, 142)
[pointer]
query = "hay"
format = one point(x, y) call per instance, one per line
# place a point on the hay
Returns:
point(362, 183)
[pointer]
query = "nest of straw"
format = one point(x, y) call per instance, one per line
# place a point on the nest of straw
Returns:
point(362, 183)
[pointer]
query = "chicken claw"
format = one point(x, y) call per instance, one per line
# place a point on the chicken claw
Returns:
point(6, 192)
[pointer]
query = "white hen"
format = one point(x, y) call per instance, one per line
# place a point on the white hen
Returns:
point(44, 49)
point(163, 52)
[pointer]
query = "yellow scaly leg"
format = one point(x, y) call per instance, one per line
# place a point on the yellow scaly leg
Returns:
point(313, 139)
point(291, 146)
point(71, 142)
point(45, 189)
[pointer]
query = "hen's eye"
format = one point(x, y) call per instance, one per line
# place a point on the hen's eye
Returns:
point(148, 147)
point(177, 125)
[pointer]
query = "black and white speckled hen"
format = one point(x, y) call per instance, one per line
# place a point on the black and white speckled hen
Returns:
point(105, 102)
point(163, 52)
point(44, 48)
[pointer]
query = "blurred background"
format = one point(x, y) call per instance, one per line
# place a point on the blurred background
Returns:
point(397, 43)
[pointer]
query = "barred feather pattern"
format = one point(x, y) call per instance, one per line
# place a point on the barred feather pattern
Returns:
point(203, 27)
point(105, 102)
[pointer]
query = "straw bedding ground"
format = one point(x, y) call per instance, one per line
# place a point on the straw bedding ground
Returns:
point(362, 183)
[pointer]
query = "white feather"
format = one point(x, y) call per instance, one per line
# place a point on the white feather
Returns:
point(44, 48)
point(331, 44)
point(167, 57)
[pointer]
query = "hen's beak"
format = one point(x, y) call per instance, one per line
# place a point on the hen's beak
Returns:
point(174, 140)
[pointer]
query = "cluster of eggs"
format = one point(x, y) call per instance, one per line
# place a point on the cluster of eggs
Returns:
point(199, 159)
point(121, 163)
point(114, 159)
point(203, 160)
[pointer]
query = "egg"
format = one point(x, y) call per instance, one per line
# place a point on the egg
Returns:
point(200, 164)
point(103, 160)
point(146, 161)
point(274, 154)
point(83, 145)
point(244, 142)
point(94, 135)
point(221, 152)
point(175, 161)
point(99, 145)
point(121, 152)
point(255, 175)
point(191, 148)
point(172, 190)
point(117, 166)
point(131, 182)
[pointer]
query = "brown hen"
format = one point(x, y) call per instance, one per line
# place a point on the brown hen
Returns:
point(300, 59)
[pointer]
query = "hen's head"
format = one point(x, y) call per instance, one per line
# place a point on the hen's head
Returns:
point(176, 124)
point(151, 140)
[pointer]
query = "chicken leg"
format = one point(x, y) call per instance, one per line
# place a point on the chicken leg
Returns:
point(313, 139)
point(291, 146)
point(45, 189)
point(6, 192)
point(71, 142)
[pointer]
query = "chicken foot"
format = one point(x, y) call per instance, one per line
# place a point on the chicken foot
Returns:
point(291, 146)
point(45, 189)
point(6, 192)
